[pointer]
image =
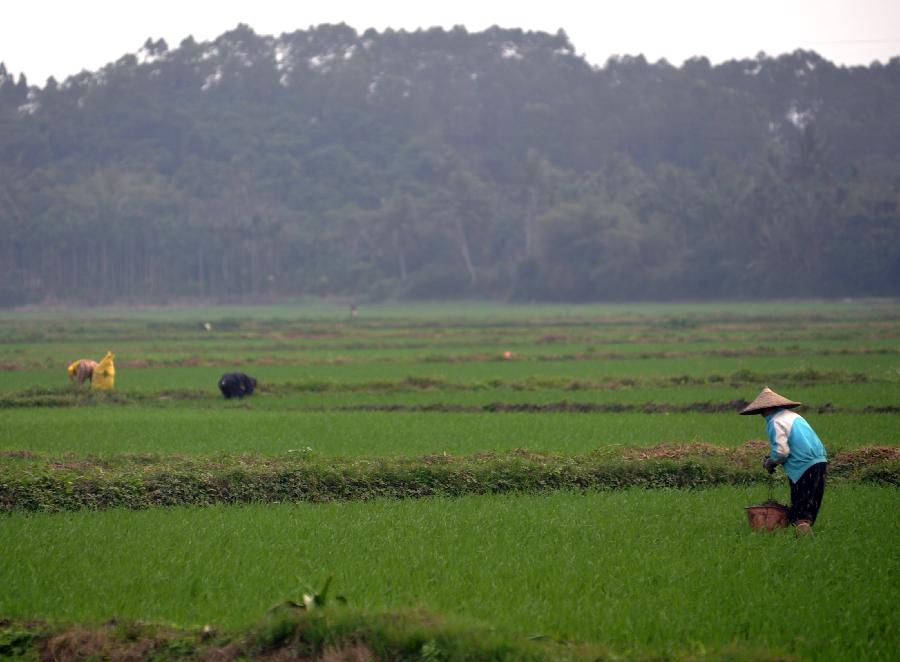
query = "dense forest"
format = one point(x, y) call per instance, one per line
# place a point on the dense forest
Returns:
point(447, 163)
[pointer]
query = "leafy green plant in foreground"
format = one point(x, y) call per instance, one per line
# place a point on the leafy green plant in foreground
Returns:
point(312, 600)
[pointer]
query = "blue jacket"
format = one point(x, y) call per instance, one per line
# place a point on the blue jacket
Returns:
point(795, 445)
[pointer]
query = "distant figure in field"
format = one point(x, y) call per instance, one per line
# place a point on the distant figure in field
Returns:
point(82, 370)
point(236, 385)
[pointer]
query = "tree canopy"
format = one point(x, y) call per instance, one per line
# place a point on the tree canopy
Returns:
point(444, 163)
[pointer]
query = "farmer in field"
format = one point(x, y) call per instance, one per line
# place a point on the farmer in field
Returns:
point(798, 449)
point(80, 371)
point(236, 385)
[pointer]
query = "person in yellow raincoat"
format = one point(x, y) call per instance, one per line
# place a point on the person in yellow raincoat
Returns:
point(104, 377)
point(82, 370)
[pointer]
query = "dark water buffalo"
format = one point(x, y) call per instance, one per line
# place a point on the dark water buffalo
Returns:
point(236, 385)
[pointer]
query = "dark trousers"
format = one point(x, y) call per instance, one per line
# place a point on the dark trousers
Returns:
point(806, 493)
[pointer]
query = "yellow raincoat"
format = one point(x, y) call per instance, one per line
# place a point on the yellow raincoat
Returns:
point(104, 377)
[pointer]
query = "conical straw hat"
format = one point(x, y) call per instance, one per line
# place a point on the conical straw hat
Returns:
point(768, 398)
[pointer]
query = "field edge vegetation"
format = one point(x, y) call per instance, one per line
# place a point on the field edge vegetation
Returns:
point(46, 483)
point(330, 633)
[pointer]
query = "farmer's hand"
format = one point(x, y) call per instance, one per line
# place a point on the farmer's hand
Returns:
point(769, 464)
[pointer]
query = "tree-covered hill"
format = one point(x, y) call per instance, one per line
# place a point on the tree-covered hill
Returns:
point(447, 163)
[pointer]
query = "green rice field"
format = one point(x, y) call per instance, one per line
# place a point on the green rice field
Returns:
point(620, 566)
point(641, 571)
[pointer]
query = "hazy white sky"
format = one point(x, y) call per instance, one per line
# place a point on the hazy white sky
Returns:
point(42, 38)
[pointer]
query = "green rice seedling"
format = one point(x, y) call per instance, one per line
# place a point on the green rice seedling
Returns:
point(242, 429)
point(648, 573)
point(685, 371)
point(654, 573)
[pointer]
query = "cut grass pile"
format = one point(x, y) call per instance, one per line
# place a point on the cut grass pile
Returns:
point(641, 572)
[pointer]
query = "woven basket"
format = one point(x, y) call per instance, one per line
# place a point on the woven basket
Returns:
point(768, 516)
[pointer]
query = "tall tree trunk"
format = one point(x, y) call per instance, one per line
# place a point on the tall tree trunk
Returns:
point(462, 243)
point(401, 258)
point(254, 266)
point(531, 224)
point(103, 267)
